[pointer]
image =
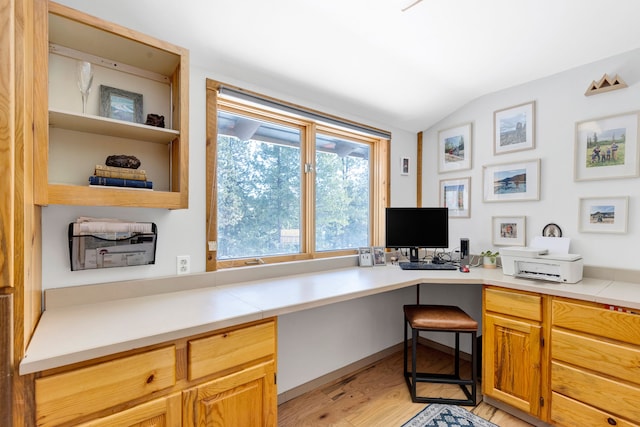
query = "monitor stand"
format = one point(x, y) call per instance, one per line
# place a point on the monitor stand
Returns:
point(414, 254)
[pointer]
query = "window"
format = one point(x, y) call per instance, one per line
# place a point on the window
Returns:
point(285, 187)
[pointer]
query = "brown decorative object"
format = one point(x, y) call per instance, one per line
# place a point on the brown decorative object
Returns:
point(155, 120)
point(605, 84)
point(123, 161)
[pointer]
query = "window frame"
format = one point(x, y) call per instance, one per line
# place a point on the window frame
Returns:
point(379, 179)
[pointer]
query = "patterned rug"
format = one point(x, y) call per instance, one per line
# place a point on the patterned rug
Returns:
point(437, 415)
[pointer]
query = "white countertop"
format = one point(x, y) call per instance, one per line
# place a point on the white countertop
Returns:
point(83, 331)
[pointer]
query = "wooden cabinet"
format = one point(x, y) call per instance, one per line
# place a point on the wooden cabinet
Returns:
point(595, 365)
point(246, 398)
point(244, 392)
point(80, 392)
point(512, 348)
point(224, 378)
point(69, 143)
point(162, 412)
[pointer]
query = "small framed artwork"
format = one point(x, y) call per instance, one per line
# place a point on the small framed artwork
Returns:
point(120, 104)
point(455, 195)
point(509, 230)
point(378, 256)
point(511, 181)
point(365, 256)
point(454, 148)
point(607, 148)
point(603, 214)
point(514, 128)
point(552, 230)
point(404, 166)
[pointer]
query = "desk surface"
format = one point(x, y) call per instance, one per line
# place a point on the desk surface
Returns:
point(83, 331)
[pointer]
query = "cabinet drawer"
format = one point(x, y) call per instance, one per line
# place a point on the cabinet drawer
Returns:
point(69, 395)
point(527, 306)
point(605, 394)
point(567, 412)
point(229, 349)
point(597, 321)
point(613, 359)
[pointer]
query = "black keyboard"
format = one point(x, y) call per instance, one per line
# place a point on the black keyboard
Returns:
point(426, 266)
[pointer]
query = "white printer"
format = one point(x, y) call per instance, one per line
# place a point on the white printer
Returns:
point(541, 264)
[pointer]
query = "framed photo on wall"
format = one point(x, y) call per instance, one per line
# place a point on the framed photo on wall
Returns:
point(514, 128)
point(509, 182)
point(509, 230)
point(404, 166)
point(607, 148)
point(455, 195)
point(603, 214)
point(454, 148)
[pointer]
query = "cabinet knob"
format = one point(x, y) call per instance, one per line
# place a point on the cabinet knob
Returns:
point(611, 421)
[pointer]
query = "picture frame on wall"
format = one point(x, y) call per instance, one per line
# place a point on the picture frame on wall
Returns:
point(455, 194)
point(514, 128)
point(607, 147)
point(454, 148)
point(509, 230)
point(507, 182)
point(404, 166)
point(603, 214)
point(120, 104)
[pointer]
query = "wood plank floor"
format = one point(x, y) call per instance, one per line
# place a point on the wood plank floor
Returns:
point(378, 396)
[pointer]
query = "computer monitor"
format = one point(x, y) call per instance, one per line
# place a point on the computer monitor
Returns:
point(415, 228)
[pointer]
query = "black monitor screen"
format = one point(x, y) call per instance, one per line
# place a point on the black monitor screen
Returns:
point(417, 228)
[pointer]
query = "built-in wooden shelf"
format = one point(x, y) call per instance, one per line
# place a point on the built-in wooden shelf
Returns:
point(108, 126)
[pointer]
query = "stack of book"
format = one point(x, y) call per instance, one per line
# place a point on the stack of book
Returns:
point(112, 176)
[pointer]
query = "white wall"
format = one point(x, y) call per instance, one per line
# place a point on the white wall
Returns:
point(560, 103)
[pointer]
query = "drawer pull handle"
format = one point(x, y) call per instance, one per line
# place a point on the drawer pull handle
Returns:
point(150, 379)
point(611, 421)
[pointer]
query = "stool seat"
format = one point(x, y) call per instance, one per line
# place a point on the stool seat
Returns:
point(446, 317)
point(440, 318)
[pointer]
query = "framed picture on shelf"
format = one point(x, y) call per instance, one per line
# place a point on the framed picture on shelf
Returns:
point(509, 182)
point(514, 128)
point(120, 104)
point(509, 230)
point(607, 148)
point(455, 195)
point(603, 214)
point(365, 256)
point(404, 166)
point(378, 256)
point(454, 148)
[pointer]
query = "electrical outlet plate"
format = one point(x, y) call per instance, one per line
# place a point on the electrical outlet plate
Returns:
point(183, 264)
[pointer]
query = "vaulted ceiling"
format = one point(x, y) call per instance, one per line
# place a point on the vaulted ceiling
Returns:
point(369, 59)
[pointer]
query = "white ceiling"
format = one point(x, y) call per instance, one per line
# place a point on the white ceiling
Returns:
point(368, 59)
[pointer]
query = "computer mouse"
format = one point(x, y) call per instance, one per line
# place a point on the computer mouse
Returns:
point(464, 268)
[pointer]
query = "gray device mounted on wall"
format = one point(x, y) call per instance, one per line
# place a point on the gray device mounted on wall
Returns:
point(464, 252)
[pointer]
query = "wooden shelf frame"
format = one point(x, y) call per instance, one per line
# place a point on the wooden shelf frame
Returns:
point(71, 28)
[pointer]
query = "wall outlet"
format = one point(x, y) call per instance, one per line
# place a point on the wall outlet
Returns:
point(183, 264)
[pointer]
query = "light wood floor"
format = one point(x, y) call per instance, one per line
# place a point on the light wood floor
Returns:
point(378, 396)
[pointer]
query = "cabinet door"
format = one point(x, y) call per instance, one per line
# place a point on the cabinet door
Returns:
point(511, 352)
point(163, 412)
point(246, 398)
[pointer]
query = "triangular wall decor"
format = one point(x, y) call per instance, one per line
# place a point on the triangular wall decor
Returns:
point(605, 84)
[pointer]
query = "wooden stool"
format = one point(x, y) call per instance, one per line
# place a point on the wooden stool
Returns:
point(440, 318)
